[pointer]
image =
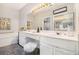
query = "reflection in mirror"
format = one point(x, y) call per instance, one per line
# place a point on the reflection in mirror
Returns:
point(47, 23)
point(28, 25)
point(64, 22)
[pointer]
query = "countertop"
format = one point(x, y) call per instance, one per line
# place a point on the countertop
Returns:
point(51, 34)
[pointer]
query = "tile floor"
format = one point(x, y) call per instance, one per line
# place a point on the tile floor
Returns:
point(16, 49)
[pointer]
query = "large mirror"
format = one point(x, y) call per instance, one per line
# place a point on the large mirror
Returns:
point(64, 22)
point(47, 23)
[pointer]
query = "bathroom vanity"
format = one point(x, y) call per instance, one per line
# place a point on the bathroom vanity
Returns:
point(59, 34)
point(57, 46)
point(52, 44)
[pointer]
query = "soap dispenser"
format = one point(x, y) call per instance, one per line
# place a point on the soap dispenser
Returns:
point(38, 30)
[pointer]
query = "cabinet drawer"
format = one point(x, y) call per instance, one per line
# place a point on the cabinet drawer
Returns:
point(59, 51)
point(46, 49)
point(63, 43)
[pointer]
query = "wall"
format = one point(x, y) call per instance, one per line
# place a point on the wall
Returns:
point(77, 17)
point(25, 14)
point(14, 16)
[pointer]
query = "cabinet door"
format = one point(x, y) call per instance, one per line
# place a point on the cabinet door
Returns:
point(59, 51)
point(46, 49)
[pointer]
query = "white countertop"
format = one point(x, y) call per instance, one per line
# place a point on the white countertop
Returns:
point(70, 36)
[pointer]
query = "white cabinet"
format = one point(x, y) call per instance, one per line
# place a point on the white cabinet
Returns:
point(46, 49)
point(55, 46)
point(60, 51)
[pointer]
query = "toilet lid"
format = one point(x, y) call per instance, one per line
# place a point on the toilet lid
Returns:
point(29, 47)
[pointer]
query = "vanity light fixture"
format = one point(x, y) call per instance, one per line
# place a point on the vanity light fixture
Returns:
point(60, 10)
point(41, 6)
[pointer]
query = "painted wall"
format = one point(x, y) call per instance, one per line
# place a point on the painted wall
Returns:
point(77, 17)
point(12, 14)
point(5, 38)
point(25, 14)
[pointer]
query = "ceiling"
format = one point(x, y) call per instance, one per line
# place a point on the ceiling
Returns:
point(16, 6)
